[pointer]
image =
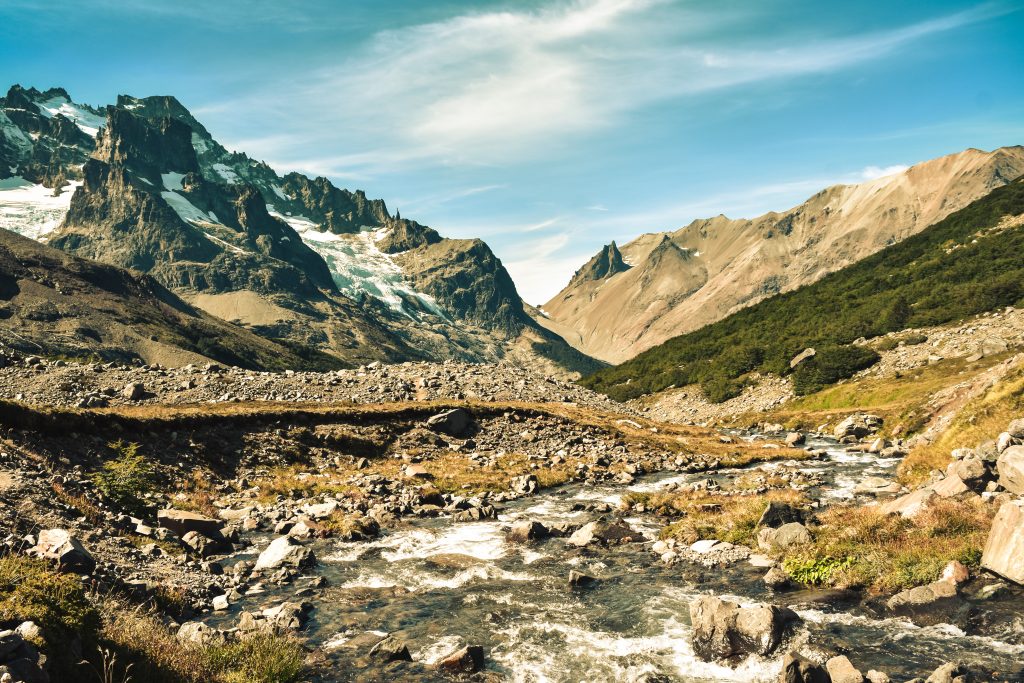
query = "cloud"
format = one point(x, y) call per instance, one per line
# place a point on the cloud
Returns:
point(872, 172)
point(502, 87)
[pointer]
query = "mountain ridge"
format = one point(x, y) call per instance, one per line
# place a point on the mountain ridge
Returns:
point(746, 260)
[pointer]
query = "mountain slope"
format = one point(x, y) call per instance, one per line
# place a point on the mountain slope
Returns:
point(721, 265)
point(55, 304)
point(968, 263)
point(290, 256)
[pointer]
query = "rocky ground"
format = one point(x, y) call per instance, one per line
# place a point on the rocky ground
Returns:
point(94, 385)
point(208, 493)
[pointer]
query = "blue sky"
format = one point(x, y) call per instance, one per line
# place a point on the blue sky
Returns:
point(549, 128)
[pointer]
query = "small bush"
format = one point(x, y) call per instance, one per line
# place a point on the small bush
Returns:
point(815, 571)
point(259, 658)
point(126, 479)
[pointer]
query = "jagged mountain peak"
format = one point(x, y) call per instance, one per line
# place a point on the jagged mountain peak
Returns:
point(604, 264)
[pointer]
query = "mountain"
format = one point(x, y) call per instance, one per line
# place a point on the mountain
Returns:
point(142, 184)
point(660, 285)
point(965, 264)
point(56, 304)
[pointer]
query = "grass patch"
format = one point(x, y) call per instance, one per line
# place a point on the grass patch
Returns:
point(858, 547)
point(978, 421)
point(142, 641)
point(31, 591)
point(706, 515)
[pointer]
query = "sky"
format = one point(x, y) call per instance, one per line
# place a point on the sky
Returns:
point(550, 128)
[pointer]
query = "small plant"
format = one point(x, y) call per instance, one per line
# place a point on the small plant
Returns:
point(127, 478)
point(106, 672)
point(815, 571)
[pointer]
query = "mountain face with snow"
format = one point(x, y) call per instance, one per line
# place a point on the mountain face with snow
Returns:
point(143, 185)
point(661, 285)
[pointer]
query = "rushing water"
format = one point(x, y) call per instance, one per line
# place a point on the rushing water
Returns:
point(438, 585)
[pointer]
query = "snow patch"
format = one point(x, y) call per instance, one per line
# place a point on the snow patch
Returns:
point(88, 122)
point(30, 209)
point(227, 173)
point(186, 210)
point(172, 181)
point(359, 267)
point(14, 135)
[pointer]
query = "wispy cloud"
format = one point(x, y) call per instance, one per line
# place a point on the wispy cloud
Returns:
point(501, 87)
point(872, 172)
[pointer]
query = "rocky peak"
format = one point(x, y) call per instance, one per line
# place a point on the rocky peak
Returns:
point(161, 106)
point(604, 264)
point(148, 146)
point(404, 234)
point(336, 210)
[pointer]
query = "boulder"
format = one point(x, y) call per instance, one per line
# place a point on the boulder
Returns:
point(877, 677)
point(950, 672)
point(390, 649)
point(526, 484)
point(950, 487)
point(1004, 549)
point(605, 533)
point(874, 486)
point(841, 670)
point(797, 669)
point(285, 552)
point(456, 422)
point(722, 630)
point(66, 550)
point(182, 521)
point(908, 505)
point(937, 602)
point(794, 439)
point(858, 426)
point(134, 391)
point(417, 472)
point(1016, 428)
point(777, 514)
point(468, 660)
point(1011, 469)
point(776, 579)
point(199, 633)
point(786, 536)
point(525, 531)
point(971, 471)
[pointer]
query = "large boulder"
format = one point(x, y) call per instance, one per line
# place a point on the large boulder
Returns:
point(605, 533)
point(66, 550)
point(723, 630)
point(777, 514)
point(182, 521)
point(841, 670)
point(391, 649)
point(285, 552)
point(858, 426)
point(936, 603)
point(1011, 469)
point(456, 422)
point(786, 536)
point(1004, 549)
point(525, 531)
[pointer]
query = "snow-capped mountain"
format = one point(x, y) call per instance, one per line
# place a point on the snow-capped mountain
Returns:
point(142, 184)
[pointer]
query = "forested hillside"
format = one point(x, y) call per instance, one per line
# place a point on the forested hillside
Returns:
point(966, 264)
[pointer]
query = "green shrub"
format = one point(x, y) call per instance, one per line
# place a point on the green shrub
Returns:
point(127, 478)
point(259, 658)
point(832, 364)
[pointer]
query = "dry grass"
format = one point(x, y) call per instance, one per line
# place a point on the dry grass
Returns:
point(980, 420)
point(900, 400)
point(857, 547)
point(144, 642)
point(706, 515)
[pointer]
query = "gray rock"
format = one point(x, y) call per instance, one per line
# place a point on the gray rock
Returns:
point(68, 551)
point(1004, 548)
point(580, 579)
point(777, 514)
point(937, 602)
point(285, 552)
point(971, 470)
point(390, 649)
point(841, 670)
point(525, 531)
point(950, 673)
point(799, 358)
point(604, 533)
point(1011, 469)
point(786, 536)
point(183, 521)
point(724, 629)
point(1016, 428)
point(797, 669)
point(134, 391)
point(776, 579)
point(877, 677)
point(795, 439)
point(456, 422)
